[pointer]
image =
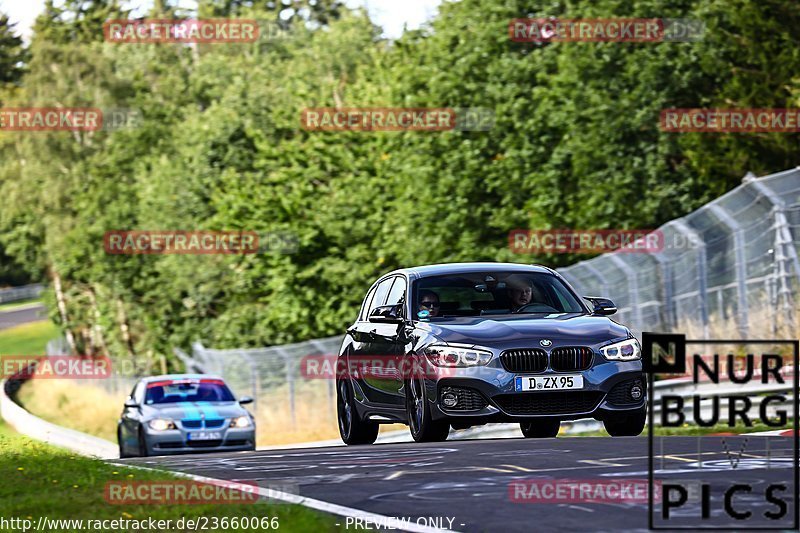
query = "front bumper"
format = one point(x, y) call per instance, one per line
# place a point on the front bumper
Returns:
point(600, 397)
point(177, 441)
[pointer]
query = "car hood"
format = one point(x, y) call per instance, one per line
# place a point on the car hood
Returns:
point(519, 331)
point(195, 410)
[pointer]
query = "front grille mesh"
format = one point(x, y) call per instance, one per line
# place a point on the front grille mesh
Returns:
point(549, 403)
point(571, 358)
point(524, 360)
point(468, 399)
point(621, 393)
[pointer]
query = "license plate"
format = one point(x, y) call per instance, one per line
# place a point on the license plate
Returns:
point(536, 383)
point(205, 435)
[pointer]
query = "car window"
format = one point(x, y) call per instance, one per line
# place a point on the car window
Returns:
point(187, 390)
point(398, 291)
point(381, 292)
point(367, 302)
point(138, 393)
point(477, 294)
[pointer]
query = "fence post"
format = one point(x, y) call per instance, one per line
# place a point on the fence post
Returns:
point(702, 290)
point(741, 264)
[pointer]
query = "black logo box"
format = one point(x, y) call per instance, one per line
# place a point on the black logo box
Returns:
point(663, 366)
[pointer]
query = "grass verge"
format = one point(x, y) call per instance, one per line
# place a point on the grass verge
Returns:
point(41, 480)
point(27, 339)
point(10, 306)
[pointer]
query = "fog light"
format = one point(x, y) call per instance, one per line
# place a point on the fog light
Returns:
point(636, 392)
point(449, 399)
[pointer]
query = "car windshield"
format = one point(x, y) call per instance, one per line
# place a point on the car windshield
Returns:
point(493, 293)
point(179, 391)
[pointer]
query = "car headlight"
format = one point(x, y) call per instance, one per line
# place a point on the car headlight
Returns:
point(627, 350)
point(240, 422)
point(441, 355)
point(161, 424)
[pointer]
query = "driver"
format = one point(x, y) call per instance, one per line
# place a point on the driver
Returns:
point(429, 301)
point(520, 292)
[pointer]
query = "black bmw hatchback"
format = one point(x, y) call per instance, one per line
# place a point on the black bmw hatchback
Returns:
point(459, 345)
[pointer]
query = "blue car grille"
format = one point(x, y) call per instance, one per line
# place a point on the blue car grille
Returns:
point(571, 358)
point(524, 360)
point(203, 424)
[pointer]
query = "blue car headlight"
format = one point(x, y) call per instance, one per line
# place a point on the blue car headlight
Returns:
point(627, 350)
point(451, 356)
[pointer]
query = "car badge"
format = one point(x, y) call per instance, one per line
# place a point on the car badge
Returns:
point(545, 342)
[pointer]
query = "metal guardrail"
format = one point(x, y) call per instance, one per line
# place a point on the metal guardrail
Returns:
point(32, 426)
point(16, 294)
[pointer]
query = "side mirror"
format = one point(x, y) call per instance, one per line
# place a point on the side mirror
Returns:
point(130, 402)
point(244, 400)
point(387, 314)
point(602, 306)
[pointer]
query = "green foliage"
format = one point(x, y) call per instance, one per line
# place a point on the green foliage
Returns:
point(576, 144)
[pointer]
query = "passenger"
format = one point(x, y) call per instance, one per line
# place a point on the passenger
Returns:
point(429, 301)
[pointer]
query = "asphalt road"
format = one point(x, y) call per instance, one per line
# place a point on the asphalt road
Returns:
point(468, 481)
point(16, 317)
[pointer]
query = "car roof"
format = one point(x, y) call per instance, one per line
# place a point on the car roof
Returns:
point(164, 377)
point(460, 268)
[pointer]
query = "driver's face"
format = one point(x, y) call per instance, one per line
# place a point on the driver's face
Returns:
point(430, 304)
point(521, 296)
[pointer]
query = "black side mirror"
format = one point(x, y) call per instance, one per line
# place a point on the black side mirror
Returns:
point(387, 314)
point(602, 306)
point(130, 402)
point(244, 400)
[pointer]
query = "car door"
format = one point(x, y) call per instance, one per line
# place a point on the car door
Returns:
point(370, 360)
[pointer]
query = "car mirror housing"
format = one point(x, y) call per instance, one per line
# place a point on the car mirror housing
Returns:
point(130, 402)
point(244, 400)
point(601, 306)
point(386, 314)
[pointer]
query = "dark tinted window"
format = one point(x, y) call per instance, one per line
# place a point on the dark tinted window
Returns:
point(497, 293)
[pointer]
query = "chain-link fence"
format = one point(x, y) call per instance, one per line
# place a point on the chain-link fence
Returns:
point(728, 269)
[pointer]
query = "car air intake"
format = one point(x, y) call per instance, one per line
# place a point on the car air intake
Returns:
point(571, 358)
point(524, 360)
point(549, 403)
point(461, 399)
point(627, 392)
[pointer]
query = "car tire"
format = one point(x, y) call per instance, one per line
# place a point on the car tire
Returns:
point(122, 453)
point(143, 451)
point(626, 426)
point(422, 425)
point(540, 429)
point(352, 429)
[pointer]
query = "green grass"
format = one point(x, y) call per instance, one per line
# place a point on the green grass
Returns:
point(27, 339)
point(10, 306)
point(41, 480)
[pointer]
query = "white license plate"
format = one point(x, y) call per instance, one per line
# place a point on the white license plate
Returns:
point(560, 382)
point(205, 435)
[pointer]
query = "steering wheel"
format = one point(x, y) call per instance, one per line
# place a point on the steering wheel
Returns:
point(536, 308)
